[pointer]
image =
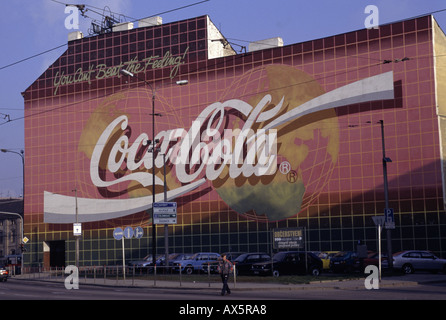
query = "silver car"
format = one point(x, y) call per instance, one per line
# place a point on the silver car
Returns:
point(411, 260)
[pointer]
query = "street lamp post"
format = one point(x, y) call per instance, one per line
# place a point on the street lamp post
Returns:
point(386, 197)
point(385, 160)
point(22, 156)
point(76, 236)
point(181, 82)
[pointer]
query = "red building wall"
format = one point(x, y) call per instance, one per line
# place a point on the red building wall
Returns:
point(334, 153)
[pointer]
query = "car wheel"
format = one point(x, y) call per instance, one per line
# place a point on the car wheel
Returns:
point(276, 273)
point(189, 270)
point(315, 272)
point(407, 269)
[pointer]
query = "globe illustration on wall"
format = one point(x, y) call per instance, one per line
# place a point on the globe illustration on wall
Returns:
point(307, 147)
point(136, 105)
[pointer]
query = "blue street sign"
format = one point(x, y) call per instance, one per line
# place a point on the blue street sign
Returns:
point(118, 233)
point(390, 218)
point(139, 232)
point(165, 213)
point(128, 232)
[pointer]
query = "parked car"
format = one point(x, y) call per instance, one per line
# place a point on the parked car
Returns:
point(212, 266)
point(411, 260)
point(195, 263)
point(178, 257)
point(3, 274)
point(244, 262)
point(325, 257)
point(146, 262)
point(231, 256)
point(373, 259)
point(345, 261)
point(289, 262)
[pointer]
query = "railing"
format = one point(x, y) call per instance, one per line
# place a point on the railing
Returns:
point(128, 276)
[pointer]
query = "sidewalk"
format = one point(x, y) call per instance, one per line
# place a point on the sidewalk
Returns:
point(351, 284)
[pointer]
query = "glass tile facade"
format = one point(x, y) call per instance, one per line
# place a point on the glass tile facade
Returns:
point(328, 172)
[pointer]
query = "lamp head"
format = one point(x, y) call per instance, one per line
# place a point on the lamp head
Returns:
point(182, 82)
point(126, 73)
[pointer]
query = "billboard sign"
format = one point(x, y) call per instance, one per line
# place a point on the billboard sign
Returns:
point(288, 238)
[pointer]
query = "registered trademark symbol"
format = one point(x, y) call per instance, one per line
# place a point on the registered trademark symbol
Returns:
point(285, 167)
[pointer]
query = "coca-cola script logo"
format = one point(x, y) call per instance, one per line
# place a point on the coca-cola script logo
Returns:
point(234, 147)
point(203, 151)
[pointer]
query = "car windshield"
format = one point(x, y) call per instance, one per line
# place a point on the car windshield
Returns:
point(194, 256)
point(279, 256)
point(241, 257)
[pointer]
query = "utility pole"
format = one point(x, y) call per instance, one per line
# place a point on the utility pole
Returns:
point(77, 237)
point(386, 197)
point(166, 226)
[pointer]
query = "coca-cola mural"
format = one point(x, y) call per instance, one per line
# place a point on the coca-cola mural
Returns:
point(276, 138)
point(229, 141)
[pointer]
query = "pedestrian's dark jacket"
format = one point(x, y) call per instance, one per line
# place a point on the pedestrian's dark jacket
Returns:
point(225, 267)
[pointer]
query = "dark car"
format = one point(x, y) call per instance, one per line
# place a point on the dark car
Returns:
point(345, 261)
point(373, 259)
point(212, 266)
point(3, 274)
point(231, 256)
point(146, 262)
point(290, 262)
point(243, 263)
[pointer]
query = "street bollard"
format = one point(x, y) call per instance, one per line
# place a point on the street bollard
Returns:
point(209, 275)
point(154, 276)
point(235, 276)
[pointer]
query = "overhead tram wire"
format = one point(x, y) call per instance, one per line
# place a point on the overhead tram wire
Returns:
point(134, 19)
point(65, 44)
point(138, 85)
point(241, 55)
point(31, 57)
point(90, 6)
point(183, 7)
point(381, 62)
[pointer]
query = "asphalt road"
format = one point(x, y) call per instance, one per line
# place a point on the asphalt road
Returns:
point(15, 289)
point(110, 302)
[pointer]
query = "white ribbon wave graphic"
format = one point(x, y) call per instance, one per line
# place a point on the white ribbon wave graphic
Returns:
point(61, 209)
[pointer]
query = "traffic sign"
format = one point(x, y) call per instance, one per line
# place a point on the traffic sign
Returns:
point(118, 233)
point(379, 220)
point(128, 232)
point(165, 213)
point(139, 232)
point(390, 219)
point(77, 229)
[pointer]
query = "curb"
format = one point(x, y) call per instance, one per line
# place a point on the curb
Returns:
point(356, 284)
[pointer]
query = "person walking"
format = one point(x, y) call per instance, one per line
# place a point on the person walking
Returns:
point(225, 268)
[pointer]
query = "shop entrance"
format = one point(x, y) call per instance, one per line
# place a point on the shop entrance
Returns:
point(54, 255)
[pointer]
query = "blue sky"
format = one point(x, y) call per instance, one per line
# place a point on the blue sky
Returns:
point(30, 27)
